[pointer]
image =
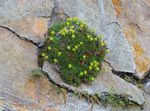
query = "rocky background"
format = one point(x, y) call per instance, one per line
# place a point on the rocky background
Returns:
point(23, 27)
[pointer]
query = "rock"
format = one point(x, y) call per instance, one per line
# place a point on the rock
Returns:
point(103, 83)
point(18, 58)
point(147, 102)
point(23, 18)
point(147, 87)
point(31, 28)
point(5, 106)
point(100, 15)
point(135, 22)
point(27, 19)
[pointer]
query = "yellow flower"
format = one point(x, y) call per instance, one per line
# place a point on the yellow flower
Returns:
point(96, 62)
point(88, 36)
point(102, 43)
point(55, 60)
point(97, 69)
point(69, 66)
point(92, 78)
point(49, 48)
point(77, 23)
point(91, 64)
point(84, 56)
point(107, 51)
point(76, 47)
point(95, 39)
point(94, 30)
point(52, 32)
point(72, 27)
point(81, 43)
point(81, 26)
point(67, 23)
point(85, 72)
point(46, 57)
point(59, 53)
point(91, 39)
point(72, 31)
point(51, 38)
point(90, 68)
point(73, 36)
point(66, 31)
point(43, 54)
point(75, 18)
point(81, 74)
point(73, 49)
point(100, 36)
point(68, 47)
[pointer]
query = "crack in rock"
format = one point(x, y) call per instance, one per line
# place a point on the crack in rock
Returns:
point(22, 38)
point(17, 99)
point(101, 85)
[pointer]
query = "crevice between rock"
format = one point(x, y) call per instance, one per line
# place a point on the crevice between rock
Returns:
point(22, 38)
point(85, 96)
point(19, 100)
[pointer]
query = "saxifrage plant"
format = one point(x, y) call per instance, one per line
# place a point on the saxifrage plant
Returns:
point(76, 49)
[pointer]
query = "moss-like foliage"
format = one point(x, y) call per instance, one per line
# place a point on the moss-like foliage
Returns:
point(76, 49)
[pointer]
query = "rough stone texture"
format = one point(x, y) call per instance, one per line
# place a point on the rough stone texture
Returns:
point(21, 17)
point(100, 15)
point(103, 83)
point(147, 87)
point(29, 19)
point(32, 28)
point(147, 102)
point(24, 17)
point(135, 22)
point(18, 58)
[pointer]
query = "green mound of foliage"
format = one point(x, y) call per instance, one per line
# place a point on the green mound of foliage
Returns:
point(76, 49)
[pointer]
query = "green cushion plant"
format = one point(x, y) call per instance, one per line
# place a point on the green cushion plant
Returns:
point(76, 49)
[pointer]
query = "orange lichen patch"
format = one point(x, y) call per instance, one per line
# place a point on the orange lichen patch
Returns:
point(42, 89)
point(21, 108)
point(142, 64)
point(130, 33)
point(138, 48)
point(40, 26)
point(29, 89)
point(141, 59)
point(117, 5)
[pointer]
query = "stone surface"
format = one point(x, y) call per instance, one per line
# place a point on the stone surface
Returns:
point(103, 83)
point(147, 102)
point(100, 15)
point(135, 22)
point(147, 87)
point(18, 58)
point(25, 18)
point(29, 19)
point(32, 28)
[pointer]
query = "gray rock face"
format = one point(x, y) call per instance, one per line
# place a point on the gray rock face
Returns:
point(29, 19)
point(135, 22)
point(147, 87)
point(23, 18)
point(13, 10)
point(17, 59)
point(26, 18)
point(147, 102)
point(100, 15)
point(103, 83)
